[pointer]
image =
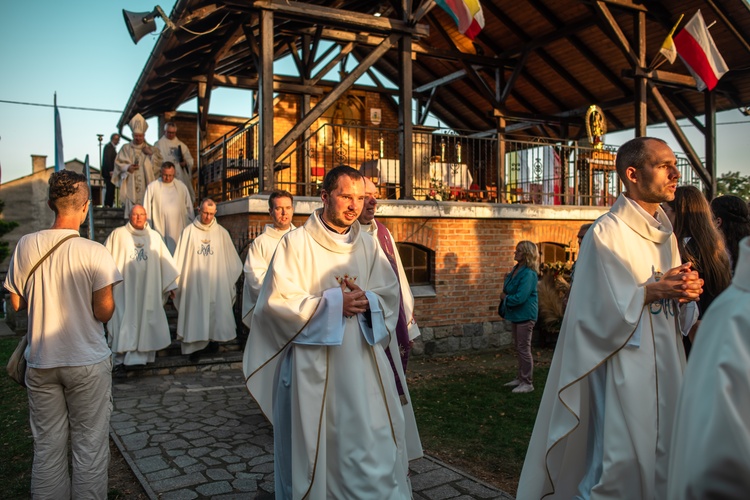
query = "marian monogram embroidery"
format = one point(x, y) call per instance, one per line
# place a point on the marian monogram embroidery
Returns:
point(340, 279)
point(663, 306)
point(205, 249)
point(139, 253)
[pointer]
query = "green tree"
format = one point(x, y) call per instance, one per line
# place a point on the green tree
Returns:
point(733, 183)
point(5, 228)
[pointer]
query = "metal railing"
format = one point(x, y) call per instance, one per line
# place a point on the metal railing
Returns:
point(448, 166)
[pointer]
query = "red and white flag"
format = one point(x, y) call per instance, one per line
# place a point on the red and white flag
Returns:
point(698, 50)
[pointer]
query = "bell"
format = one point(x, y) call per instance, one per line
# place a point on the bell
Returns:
point(140, 24)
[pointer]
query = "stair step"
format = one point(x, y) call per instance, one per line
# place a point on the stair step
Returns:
point(169, 365)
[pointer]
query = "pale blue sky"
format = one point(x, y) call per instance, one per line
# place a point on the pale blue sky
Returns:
point(82, 51)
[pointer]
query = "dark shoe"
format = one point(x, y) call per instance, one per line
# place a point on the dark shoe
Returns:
point(195, 357)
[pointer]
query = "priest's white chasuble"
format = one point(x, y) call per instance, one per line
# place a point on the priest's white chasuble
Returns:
point(169, 210)
point(209, 267)
point(259, 255)
point(133, 185)
point(324, 380)
point(175, 150)
point(139, 326)
point(710, 455)
point(620, 352)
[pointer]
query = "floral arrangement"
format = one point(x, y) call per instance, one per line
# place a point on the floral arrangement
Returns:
point(438, 191)
point(557, 269)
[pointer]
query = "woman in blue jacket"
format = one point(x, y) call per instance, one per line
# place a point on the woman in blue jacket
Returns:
point(520, 308)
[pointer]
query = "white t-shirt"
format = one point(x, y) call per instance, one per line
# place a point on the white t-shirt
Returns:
point(62, 328)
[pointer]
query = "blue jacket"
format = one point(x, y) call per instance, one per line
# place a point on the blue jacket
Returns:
point(522, 302)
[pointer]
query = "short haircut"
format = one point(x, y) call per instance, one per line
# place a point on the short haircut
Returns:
point(170, 124)
point(530, 254)
point(67, 190)
point(209, 201)
point(167, 164)
point(278, 193)
point(331, 180)
point(633, 154)
point(111, 137)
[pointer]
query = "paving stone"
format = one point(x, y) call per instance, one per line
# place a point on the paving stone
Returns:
point(216, 488)
point(433, 479)
point(236, 467)
point(147, 452)
point(245, 484)
point(248, 451)
point(179, 495)
point(199, 452)
point(199, 467)
point(135, 441)
point(174, 483)
point(203, 442)
point(231, 459)
point(266, 467)
point(122, 424)
point(176, 453)
point(193, 435)
point(175, 443)
point(161, 438)
point(477, 490)
point(184, 461)
point(163, 474)
point(422, 465)
point(210, 461)
point(442, 492)
point(219, 474)
point(151, 464)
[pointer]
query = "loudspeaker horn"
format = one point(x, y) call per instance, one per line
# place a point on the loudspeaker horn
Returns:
point(140, 24)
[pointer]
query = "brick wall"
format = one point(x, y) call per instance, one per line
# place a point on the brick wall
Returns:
point(471, 258)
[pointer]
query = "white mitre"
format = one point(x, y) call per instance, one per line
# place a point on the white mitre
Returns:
point(138, 124)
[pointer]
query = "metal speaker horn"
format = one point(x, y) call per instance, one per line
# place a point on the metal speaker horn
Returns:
point(139, 24)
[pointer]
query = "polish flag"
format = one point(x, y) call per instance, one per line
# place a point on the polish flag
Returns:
point(698, 51)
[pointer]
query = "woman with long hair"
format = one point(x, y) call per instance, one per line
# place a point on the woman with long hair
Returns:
point(733, 220)
point(521, 305)
point(701, 244)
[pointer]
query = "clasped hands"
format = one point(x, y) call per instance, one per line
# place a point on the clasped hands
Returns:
point(355, 300)
point(680, 283)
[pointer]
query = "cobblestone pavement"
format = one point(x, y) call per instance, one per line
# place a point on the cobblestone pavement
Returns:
point(200, 435)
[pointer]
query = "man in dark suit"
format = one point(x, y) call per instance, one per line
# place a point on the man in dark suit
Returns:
point(108, 164)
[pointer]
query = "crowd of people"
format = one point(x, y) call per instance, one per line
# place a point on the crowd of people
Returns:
point(331, 325)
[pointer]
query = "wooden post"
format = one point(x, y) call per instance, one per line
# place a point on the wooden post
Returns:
point(641, 84)
point(406, 154)
point(501, 159)
point(266, 157)
point(710, 137)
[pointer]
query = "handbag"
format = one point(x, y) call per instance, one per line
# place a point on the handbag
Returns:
point(16, 366)
point(501, 308)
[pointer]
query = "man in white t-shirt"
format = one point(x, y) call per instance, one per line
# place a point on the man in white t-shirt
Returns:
point(69, 297)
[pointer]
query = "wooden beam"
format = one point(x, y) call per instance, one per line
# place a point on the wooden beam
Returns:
point(452, 77)
point(345, 50)
point(513, 77)
point(317, 14)
point(640, 84)
point(622, 41)
point(719, 11)
point(335, 94)
point(678, 133)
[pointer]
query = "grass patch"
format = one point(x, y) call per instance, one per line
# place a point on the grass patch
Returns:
point(15, 434)
point(467, 418)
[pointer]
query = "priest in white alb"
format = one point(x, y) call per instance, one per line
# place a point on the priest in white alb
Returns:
point(318, 366)
point(604, 424)
point(209, 267)
point(136, 166)
point(174, 150)
point(139, 326)
point(260, 251)
point(710, 456)
point(168, 206)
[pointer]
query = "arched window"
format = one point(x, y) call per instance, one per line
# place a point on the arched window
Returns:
point(417, 261)
point(552, 252)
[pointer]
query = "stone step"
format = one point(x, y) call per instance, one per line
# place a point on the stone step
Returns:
point(176, 364)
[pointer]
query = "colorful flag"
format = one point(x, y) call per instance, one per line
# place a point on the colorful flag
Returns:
point(59, 158)
point(698, 51)
point(467, 14)
point(667, 48)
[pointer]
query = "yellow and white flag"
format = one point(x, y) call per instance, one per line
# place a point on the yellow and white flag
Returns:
point(668, 50)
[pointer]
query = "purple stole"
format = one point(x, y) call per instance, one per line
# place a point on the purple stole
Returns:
point(402, 332)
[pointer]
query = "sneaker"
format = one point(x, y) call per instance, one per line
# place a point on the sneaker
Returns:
point(523, 388)
point(513, 383)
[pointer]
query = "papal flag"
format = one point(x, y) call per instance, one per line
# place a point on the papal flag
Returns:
point(467, 14)
point(668, 49)
point(698, 50)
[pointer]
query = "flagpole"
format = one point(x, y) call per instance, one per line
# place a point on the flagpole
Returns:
point(91, 205)
point(59, 157)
